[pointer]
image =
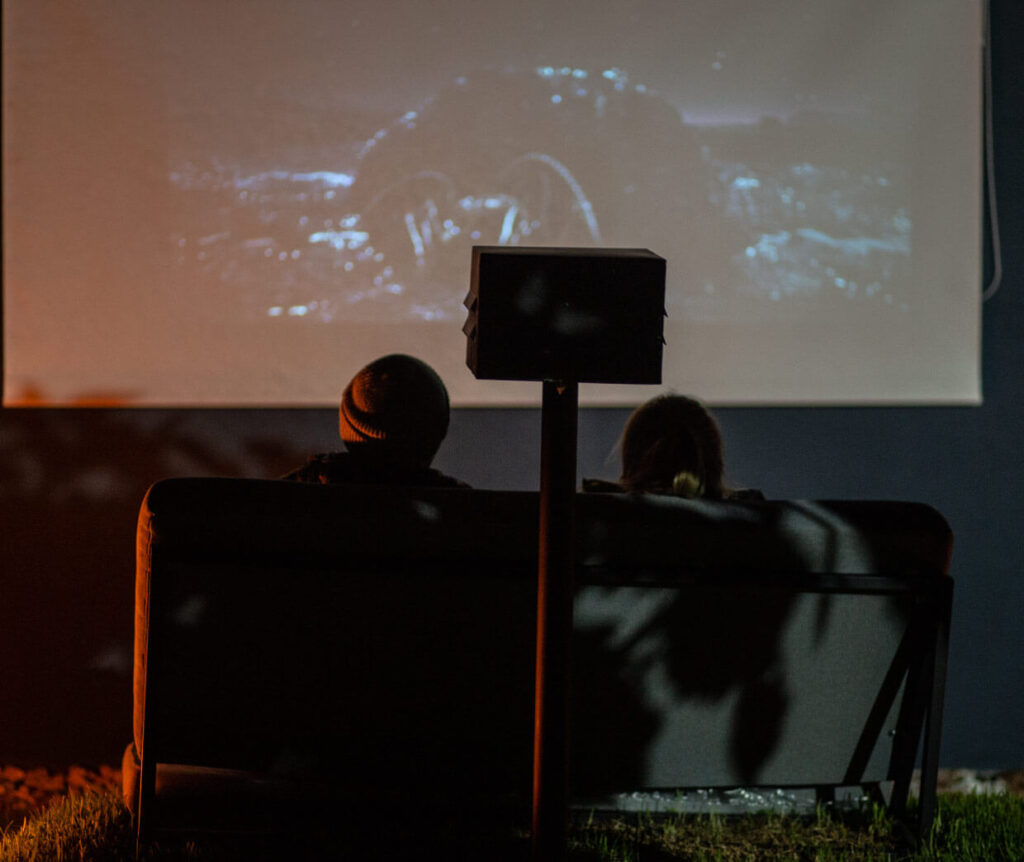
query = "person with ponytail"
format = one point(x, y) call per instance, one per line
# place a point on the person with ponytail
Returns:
point(672, 445)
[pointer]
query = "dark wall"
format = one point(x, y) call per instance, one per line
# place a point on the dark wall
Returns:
point(71, 481)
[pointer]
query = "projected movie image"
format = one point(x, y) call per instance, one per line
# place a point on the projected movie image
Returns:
point(241, 202)
point(379, 227)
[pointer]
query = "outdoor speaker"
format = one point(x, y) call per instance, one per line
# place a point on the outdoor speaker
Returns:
point(590, 315)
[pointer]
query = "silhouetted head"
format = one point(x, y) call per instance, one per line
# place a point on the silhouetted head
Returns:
point(395, 411)
point(672, 445)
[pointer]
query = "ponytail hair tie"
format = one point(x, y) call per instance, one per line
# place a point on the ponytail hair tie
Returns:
point(685, 484)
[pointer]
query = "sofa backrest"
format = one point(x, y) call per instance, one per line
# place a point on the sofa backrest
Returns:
point(386, 635)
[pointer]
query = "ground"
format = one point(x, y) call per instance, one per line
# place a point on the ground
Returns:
point(25, 791)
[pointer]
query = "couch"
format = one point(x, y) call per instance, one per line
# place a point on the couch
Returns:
point(372, 649)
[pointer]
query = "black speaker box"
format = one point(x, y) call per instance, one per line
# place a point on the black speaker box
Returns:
point(590, 315)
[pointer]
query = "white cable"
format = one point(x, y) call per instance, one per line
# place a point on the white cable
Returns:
point(997, 253)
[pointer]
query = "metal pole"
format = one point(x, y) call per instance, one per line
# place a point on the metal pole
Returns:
point(554, 620)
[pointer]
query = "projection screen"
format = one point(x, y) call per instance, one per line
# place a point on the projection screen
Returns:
point(240, 202)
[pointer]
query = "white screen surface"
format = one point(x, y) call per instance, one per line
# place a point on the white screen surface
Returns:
point(244, 202)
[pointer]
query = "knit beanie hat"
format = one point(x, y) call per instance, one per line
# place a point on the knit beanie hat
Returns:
point(395, 408)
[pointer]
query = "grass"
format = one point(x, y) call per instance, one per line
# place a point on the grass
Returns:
point(95, 826)
point(741, 837)
point(966, 830)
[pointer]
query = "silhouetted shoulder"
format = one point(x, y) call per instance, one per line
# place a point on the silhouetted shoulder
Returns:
point(601, 486)
point(744, 495)
point(737, 495)
point(340, 468)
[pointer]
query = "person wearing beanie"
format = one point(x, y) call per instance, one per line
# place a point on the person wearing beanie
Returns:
point(392, 420)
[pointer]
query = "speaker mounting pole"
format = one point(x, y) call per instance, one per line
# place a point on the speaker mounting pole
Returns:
point(563, 316)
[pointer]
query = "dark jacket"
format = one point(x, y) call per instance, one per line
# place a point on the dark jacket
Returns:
point(340, 468)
